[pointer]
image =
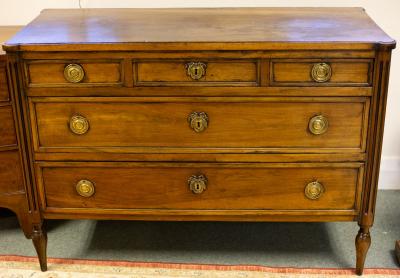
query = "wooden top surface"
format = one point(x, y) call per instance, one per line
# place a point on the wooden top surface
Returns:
point(6, 32)
point(264, 28)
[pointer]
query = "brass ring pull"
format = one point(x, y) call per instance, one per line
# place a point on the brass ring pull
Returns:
point(74, 73)
point(79, 125)
point(314, 190)
point(197, 184)
point(196, 70)
point(85, 188)
point(198, 121)
point(321, 72)
point(318, 124)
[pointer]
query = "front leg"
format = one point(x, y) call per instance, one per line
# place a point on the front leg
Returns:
point(363, 242)
point(39, 239)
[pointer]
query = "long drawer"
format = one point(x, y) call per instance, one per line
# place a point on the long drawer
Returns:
point(223, 125)
point(200, 186)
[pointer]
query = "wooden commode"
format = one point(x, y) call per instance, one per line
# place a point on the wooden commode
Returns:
point(231, 114)
point(12, 160)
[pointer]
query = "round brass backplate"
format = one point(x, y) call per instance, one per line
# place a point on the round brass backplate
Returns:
point(321, 72)
point(85, 188)
point(314, 190)
point(74, 73)
point(78, 124)
point(318, 124)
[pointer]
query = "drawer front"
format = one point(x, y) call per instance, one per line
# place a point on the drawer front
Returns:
point(201, 186)
point(205, 73)
point(7, 131)
point(57, 73)
point(210, 126)
point(4, 95)
point(321, 72)
point(10, 172)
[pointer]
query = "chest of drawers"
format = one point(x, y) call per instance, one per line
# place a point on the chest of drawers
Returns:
point(12, 180)
point(202, 114)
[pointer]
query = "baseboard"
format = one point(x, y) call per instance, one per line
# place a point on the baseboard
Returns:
point(389, 177)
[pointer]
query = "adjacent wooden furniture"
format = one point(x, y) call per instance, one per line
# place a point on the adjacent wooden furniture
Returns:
point(236, 114)
point(12, 179)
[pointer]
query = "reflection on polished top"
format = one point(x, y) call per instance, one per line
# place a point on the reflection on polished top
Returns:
point(252, 28)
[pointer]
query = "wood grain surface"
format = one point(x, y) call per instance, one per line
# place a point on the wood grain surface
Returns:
point(11, 179)
point(229, 187)
point(243, 28)
point(7, 131)
point(274, 123)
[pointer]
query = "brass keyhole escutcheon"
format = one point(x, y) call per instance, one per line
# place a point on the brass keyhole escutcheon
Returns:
point(74, 73)
point(321, 72)
point(198, 121)
point(314, 190)
point(318, 124)
point(196, 70)
point(197, 183)
point(85, 188)
point(78, 125)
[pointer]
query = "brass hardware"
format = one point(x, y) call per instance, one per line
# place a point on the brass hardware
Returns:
point(197, 184)
point(74, 73)
point(85, 188)
point(198, 121)
point(321, 72)
point(314, 190)
point(196, 70)
point(79, 125)
point(318, 124)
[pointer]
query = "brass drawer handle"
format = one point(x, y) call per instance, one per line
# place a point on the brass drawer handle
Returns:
point(198, 121)
point(321, 72)
point(85, 188)
point(78, 124)
point(318, 124)
point(314, 190)
point(196, 70)
point(74, 73)
point(197, 183)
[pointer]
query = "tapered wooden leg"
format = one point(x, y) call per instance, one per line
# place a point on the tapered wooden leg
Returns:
point(363, 241)
point(39, 239)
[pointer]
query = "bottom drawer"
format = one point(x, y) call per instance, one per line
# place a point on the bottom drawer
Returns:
point(201, 186)
point(10, 172)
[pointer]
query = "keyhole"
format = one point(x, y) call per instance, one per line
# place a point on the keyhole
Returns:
point(196, 71)
point(198, 124)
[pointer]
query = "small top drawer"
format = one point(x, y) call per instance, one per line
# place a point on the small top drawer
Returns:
point(317, 72)
point(56, 73)
point(239, 72)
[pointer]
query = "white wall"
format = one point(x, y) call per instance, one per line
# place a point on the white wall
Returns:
point(384, 12)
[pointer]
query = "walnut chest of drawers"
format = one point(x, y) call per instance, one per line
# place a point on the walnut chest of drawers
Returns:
point(12, 184)
point(249, 114)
